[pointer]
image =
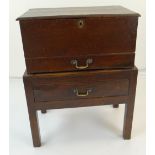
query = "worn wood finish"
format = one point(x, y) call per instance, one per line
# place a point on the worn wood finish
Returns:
point(78, 57)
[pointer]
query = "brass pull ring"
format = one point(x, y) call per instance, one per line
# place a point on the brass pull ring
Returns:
point(82, 94)
point(75, 62)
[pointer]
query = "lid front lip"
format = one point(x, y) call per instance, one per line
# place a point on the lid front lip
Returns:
point(77, 12)
point(78, 16)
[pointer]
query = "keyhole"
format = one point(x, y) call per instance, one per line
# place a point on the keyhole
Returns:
point(80, 23)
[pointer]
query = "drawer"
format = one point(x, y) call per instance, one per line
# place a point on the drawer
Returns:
point(80, 89)
point(80, 63)
point(51, 44)
point(74, 85)
point(70, 91)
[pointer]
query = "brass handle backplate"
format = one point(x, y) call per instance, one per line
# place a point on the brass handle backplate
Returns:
point(75, 62)
point(76, 91)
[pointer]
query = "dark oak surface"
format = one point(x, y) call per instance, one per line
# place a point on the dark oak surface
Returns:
point(79, 57)
point(109, 42)
point(59, 38)
point(70, 12)
point(48, 38)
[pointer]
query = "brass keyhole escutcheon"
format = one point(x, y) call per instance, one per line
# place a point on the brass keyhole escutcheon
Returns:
point(80, 23)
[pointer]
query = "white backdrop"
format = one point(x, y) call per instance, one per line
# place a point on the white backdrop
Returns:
point(18, 7)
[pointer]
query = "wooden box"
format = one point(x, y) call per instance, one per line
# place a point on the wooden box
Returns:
point(72, 39)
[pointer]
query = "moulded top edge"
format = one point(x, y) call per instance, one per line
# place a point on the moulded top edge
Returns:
point(75, 12)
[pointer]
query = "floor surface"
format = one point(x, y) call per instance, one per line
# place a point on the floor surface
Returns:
point(79, 131)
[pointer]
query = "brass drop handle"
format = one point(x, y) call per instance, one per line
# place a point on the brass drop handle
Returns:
point(82, 94)
point(75, 62)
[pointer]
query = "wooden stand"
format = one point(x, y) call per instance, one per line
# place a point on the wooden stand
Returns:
point(124, 80)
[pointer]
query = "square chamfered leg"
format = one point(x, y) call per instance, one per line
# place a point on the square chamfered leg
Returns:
point(33, 116)
point(34, 128)
point(129, 106)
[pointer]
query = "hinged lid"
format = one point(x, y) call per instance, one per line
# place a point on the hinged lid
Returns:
point(73, 12)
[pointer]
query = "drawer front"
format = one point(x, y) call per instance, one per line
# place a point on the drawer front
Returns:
point(80, 63)
point(80, 36)
point(74, 87)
